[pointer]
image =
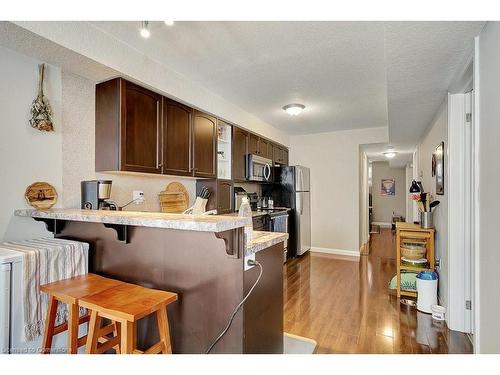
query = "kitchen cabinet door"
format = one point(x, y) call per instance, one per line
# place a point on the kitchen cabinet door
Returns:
point(284, 156)
point(204, 145)
point(265, 149)
point(224, 196)
point(253, 144)
point(141, 129)
point(240, 141)
point(176, 138)
point(276, 154)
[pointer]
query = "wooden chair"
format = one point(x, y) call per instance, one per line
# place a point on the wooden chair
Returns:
point(124, 305)
point(69, 291)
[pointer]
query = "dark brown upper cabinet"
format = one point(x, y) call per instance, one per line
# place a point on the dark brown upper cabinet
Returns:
point(284, 157)
point(176, 138)
point(280, 154)
point(265, 149)
point(128, 128)
point(259, 146)
point(204, 145)
point(253, 144)
point(240, 151)
point(224, 196)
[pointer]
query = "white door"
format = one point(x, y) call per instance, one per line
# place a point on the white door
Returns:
point(469, 212)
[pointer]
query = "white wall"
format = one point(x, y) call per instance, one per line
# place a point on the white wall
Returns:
point(334, 162)
point(436, 133)
point(409, 201)
point(78, 145)
point(489, 182)
point(26, 154)
point(385, 205)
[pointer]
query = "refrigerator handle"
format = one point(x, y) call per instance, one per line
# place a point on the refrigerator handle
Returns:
point(299, 203)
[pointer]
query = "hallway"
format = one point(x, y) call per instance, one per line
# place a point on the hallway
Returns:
point(346, 307)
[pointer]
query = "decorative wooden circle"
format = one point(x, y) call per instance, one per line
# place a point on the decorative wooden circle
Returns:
point(174, 199)
point(41, 195)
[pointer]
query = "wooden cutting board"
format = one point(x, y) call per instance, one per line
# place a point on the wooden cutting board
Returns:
point(174, 199)
point(41, 195)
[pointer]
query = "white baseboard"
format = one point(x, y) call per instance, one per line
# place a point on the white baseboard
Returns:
point(382, 224)
point(325, 250)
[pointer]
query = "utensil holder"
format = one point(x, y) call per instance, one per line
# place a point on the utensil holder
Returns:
point(426, 220)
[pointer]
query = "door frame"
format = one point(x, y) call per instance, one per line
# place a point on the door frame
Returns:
point(475, 202)
point(457, 228)
point(463, 171)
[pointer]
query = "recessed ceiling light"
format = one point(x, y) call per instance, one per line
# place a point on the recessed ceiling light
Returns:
point(294, 109)
point(169, 22)
point(145, 33)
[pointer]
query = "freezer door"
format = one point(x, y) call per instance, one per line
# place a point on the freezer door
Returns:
point(4, 307)
point(303, 222)
point(301, 178)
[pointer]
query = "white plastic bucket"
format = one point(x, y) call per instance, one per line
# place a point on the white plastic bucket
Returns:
point(438, 312)
point(426, 292)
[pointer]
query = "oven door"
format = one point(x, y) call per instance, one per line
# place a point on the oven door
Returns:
point(259, 168)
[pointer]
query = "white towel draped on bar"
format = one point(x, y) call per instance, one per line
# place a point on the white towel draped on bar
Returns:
point(45, 260)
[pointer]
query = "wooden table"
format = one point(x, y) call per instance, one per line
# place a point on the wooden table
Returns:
point(413, 231)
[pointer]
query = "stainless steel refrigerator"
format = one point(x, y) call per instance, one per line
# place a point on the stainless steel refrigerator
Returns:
point(292, 190)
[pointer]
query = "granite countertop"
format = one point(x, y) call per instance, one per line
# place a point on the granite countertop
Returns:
point(262, 240)
point(254, 214)
point(201, 223)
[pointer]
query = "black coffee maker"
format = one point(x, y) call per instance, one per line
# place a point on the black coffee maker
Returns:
point(96, 194)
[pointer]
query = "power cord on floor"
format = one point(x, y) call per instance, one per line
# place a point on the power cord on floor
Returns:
point(235, 311)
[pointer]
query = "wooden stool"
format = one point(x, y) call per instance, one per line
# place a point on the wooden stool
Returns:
point(69, 291)
point(124, 305)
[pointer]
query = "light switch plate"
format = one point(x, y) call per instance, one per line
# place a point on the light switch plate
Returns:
point(137, 194)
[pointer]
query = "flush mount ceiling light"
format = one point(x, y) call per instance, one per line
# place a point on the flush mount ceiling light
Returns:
point(294, 109)
point(389, 154)
point(169, 22)
point(144, 30)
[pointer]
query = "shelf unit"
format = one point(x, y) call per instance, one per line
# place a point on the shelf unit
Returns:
point(224, 151)
point(414, 232)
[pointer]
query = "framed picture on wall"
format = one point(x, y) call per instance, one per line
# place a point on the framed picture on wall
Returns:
point(433, 167)
point(439, 174)
point(388, 186)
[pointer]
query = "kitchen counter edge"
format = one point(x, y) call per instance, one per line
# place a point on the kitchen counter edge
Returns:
point(200, 223)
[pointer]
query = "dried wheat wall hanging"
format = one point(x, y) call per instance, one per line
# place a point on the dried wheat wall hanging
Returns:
point(41, 113)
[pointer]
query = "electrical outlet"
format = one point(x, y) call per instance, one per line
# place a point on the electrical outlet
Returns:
point(247, 258)
point(139, 195)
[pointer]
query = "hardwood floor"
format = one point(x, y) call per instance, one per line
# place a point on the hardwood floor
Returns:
point(347, 308)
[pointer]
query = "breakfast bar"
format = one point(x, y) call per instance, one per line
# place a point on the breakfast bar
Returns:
point(199, 257)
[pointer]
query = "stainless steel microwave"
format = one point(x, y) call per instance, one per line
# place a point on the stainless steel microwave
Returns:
point(259, 168)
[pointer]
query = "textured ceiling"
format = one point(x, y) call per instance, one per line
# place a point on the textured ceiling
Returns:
point(348, 74)
point(336, 69)
point(375, 151)
point(422, 60)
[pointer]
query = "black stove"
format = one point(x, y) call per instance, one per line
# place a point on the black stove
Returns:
point(276, 211)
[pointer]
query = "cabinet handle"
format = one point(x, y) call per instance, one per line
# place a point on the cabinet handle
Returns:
point(158, 164)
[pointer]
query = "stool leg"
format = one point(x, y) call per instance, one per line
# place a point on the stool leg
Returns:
point(50, 321)
point(116, 332)
point(73, 323)
point(93, 333)
point(127, 338)
point(163, 330)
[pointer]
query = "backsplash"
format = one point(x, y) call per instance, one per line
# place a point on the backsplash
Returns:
point(125, 184)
